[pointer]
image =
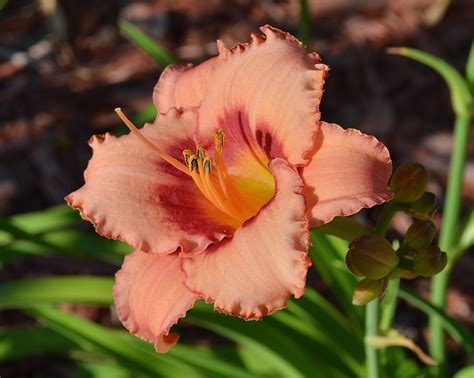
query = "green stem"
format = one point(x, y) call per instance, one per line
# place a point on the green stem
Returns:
point(452, 209)
point(389, 305)
point(371, 330)
point(304, 32)
point(372, 308)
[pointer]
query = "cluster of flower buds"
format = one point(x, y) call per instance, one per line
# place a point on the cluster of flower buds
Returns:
point(373, 257)
point(417, 256)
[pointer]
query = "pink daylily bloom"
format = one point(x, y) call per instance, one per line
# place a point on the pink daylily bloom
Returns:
point(217, 195)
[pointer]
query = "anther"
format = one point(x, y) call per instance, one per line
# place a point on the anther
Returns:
point(200, 152)
point(187, 154)
point(193, 163)
point(219, 140)
point(207, 165)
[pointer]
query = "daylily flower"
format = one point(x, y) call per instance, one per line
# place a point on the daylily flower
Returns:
point(217, 195)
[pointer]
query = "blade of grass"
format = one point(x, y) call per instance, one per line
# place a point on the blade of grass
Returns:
point(146, 44)
point(455, 329)
point(67, 242)
point(329, 254)
point(470, 68)
point(304, 27)
point(123, 348)
point(18, 343)
point(71, 289)
point(461, 98)
point(278, 345)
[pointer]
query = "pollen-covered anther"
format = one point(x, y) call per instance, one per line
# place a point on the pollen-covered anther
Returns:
point(219, 140)
point(200, 153)
point(187, 156)
point(207, 165)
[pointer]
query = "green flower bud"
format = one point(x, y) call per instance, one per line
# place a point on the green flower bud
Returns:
point(409, 182)
point(420, 234)
point(367, 290)
point(371, 256)
point(430, 261)
point(425, 204)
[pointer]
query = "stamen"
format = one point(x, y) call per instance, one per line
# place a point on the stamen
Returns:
point(200, 152)
point(187, 155)
point(171, 160)
point(225, 205)
point(207, 165)
point(219, 140)
point(193, 165)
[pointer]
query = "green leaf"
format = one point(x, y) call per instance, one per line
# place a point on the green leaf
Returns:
point(326, 329)
point(346, 228)
point(20, 343)
point(455, 329)
point(57, 217)
point(466, 241)
point(72, 289)
point(466, 372)
point(93, 369)
point(67, 242)
point(470, 68)
point(329, 252)
point(304, 29)
point(287, 339)
point(123, 347)
point(287, 348)
point(461, 98)
point(146, 44)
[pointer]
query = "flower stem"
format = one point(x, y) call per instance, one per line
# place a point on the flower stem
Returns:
point(389, 305)
point(372, 308)
point(452, 209)
point(371, 330)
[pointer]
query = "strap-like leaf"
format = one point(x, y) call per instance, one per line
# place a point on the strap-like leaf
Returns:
point(146, 44)
point(460, 95)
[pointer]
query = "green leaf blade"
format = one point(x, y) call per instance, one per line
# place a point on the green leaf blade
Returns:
point(146, 44)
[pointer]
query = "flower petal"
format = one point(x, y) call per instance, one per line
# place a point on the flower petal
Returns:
point(271, 84)
point(254, 273)
point(182, 86)
point(349, 171)
point(131, 194)
point(150, 297)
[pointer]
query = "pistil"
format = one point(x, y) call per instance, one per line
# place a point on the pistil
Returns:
point(175, 163)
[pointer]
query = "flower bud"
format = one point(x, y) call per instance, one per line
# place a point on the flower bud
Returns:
point(420, 234)
point(367, 290)
point(409, 182)
point(430, 261)
point(371, 256)
point(425, 204)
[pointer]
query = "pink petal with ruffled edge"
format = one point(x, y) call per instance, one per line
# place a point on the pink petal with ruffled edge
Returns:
point(182, 86)
point(150, 297)
point(133, 195)
point(348, 171)
point(254, 273)
point(271, 84)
